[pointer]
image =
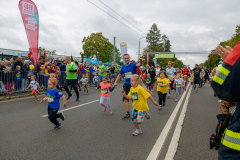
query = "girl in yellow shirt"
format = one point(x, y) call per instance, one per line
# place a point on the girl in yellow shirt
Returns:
point(139, 96)
point(162, 87)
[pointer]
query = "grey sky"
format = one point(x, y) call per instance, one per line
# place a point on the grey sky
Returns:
point(197, 25)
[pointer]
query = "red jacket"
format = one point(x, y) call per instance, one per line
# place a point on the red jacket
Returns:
point(138, 72)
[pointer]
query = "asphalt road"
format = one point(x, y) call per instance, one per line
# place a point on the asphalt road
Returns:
point(89, 133)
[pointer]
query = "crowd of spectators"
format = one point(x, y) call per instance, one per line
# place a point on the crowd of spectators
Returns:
point(15, 76)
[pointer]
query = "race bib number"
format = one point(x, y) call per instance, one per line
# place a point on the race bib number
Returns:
point(170, 76)
point(104, 91)
point(128, 74)
point(83, 83)
point(178, 85)
point(134, 96)
point(159, 82)
point(50, 98)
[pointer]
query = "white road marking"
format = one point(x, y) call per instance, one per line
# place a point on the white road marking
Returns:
point(176, 135)
point(156, 150)
point(73, 107)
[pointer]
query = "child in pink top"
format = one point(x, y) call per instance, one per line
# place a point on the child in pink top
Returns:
point(105, 88)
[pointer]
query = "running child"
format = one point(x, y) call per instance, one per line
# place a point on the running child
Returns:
point(84, 81)
point(185, 81)
point(148, 81)
point(162, 87)
point(105, 88)
point(179, 82)
point(34, 85)
point(192, 80)
point(53, 75)
point(53, 96)
point(139, 96)
point(95, 79)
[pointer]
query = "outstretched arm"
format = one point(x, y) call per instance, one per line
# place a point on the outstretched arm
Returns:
point(126, 96)
point(64, 101)
point(155, 103)
point(111, 89)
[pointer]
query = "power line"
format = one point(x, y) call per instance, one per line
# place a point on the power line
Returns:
point(113, 17)
point(122, 17)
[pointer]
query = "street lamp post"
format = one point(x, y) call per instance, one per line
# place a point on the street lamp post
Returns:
point(82, 54)
point(139, 47)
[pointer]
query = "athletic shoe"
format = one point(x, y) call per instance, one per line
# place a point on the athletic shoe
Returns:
point(110, 112)
point(210, 86)
point(168, 96)
point(69, 96)
point(105, 108)
point(163, 104)
point(203, 84)
point(61, 116)
point(37, 99)
point(160, 107)
point(126, 116)
point(77, 99)
point(57, 126)
point(147, 115)
point(175, 100)
point(196, 91)
point(194, 88)
point(137, 132)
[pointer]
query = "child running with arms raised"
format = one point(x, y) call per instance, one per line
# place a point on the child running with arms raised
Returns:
point(34, 85)
point(139, 96)
point(53, 96)
point(162, 87)
point(179, 82)
point(105, 88)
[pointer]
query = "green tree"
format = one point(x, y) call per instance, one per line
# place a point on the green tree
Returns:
point(166, 43)
point(97, 45)
point(154, 36)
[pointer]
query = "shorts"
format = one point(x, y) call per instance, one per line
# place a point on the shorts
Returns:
point(33, 91)
point(126, 88)
point(206, 78)
point(196, 80)
point(100, 77)
point(192, 83)
point(137, 116)
point(72, 82)
point(112, 75)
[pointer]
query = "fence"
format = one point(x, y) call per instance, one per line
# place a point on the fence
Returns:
point(17, 82)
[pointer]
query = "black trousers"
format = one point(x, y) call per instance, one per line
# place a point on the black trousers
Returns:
point(73, 83)
point(162, 97)
point(53, 115)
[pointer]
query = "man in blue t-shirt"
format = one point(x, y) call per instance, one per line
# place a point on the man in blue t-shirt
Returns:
point(128, 69)
point(197, 77)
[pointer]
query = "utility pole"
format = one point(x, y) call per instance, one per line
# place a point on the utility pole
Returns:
point(114, 49)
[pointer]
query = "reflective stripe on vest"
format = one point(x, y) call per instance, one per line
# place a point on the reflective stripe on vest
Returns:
point(231, 139)
point(221, 75)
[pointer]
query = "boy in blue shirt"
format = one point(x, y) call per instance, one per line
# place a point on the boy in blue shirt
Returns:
point(53, 96)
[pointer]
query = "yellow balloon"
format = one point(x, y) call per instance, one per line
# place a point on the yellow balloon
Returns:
point(31, 67)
